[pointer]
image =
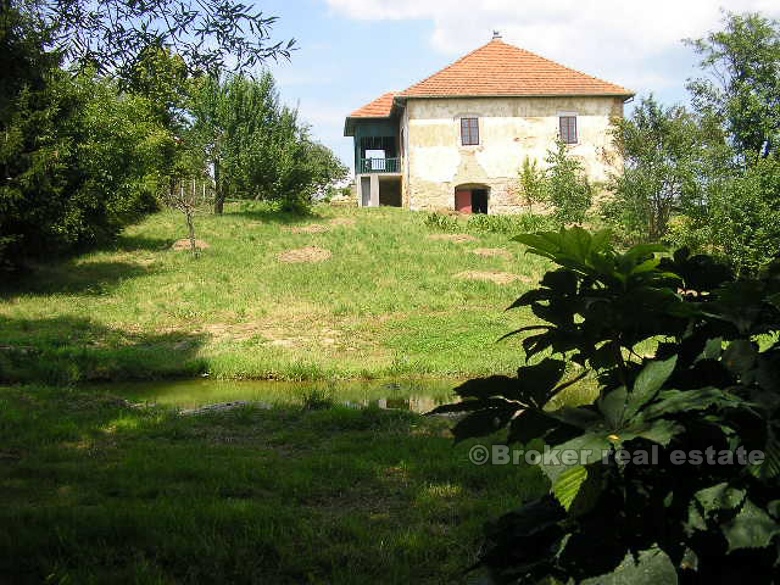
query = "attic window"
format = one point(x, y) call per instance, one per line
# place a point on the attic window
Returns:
point(469, 131)
point(568, 128)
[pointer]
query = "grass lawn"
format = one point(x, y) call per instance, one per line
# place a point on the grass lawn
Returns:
point(394, 299)
point(94, 490)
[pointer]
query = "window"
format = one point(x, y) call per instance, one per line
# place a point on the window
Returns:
point(568, 129)
point(469, 131)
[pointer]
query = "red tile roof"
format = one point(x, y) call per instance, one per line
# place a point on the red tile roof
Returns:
point(379, 108)
point(500, 69)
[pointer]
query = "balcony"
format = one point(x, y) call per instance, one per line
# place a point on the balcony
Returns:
point(379, 165)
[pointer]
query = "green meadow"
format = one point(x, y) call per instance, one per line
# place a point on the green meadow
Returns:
point(109, 472)
point(393, 297)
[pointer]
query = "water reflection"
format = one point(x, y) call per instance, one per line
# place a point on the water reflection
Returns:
point(193, 395)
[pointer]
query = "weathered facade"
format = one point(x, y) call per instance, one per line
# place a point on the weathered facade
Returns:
point(457, 139)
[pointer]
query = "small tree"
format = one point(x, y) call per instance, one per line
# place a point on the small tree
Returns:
point(661, 149)
point(532, 184)
point(568, 188)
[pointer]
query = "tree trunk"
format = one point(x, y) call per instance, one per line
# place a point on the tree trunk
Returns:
point(219, 195)
point(191, 227)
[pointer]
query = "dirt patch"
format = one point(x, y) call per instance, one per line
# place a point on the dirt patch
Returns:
point(497, 277)
point(455, 238)
point(314, 228)
point(307, 254)
point(185, 245)
point(492, 252)
point(343, 221)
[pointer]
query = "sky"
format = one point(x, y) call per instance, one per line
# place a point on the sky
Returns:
point(352, 51)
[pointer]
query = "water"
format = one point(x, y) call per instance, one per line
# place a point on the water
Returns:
point(414, 395)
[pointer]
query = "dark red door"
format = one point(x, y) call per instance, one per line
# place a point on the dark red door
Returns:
point(463, 201)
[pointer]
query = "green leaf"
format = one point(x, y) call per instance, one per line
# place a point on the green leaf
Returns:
point(675, 401)
point(660, 431)
point(589, 447)
point(751, 528)
point(653, 567)
point(719, 497)
point(567, 485)
point(648, 383)
point(770, 467)
point(613, 406)
point(740, 356)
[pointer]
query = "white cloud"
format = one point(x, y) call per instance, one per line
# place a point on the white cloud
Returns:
point(596, 36)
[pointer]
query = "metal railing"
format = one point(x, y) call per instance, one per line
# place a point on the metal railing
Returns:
point(379, 165)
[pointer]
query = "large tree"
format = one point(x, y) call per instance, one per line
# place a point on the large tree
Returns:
point(257, 147)
point(741, 86)
point(661, 149)
point(110, 35)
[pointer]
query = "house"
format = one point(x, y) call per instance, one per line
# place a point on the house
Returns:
point(457, 139)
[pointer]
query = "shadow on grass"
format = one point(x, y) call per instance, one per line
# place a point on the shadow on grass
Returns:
point(127, 243)
point(67, 350)
point(72, 277)
point(100, 491)
point(272, 216)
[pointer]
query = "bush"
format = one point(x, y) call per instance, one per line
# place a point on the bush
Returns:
point(706, 380)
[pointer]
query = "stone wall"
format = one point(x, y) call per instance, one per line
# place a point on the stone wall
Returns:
point(510, 129)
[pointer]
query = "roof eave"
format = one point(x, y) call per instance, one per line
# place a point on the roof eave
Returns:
point(624, 95)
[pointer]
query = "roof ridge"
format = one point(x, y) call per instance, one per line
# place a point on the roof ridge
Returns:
point(500, 62)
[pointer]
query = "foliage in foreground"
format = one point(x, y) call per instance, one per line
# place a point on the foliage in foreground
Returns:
point(688, 359)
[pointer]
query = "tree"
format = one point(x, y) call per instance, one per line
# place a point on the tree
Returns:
point(532, 184)
point(567, 186)
point(79, 163)
point(111, 35)
point(257, 147)
point(661, 149)
point(742, 87)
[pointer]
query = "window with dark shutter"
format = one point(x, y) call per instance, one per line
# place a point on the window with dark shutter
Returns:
point(568, 129)
point(469, 131)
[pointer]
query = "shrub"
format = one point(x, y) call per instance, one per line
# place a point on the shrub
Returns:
point(709, 382)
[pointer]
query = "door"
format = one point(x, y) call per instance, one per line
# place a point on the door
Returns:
point(463, 200)
point(479, 201)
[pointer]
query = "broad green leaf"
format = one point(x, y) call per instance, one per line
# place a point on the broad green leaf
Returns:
point(568, 484)
point(740, 356)
point(712, 349)
point(695, 521)
point(660, 431)
point(751, 528)
point(613, 406)
point(719, 497)
point(770, 467)
point(648, 383)
point(654, 567)
point(589, 448)
point(674, 401)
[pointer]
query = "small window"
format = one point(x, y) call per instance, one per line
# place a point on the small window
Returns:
point(568, 129)
point(469, 131)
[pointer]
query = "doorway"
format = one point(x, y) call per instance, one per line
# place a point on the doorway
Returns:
point(470, 199)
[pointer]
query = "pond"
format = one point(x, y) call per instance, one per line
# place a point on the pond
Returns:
point(414, 395)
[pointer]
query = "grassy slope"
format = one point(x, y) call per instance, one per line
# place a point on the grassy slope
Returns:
point(386, 304)
point(96, 491)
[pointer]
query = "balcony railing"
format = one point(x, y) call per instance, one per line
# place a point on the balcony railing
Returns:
point(379, 165)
